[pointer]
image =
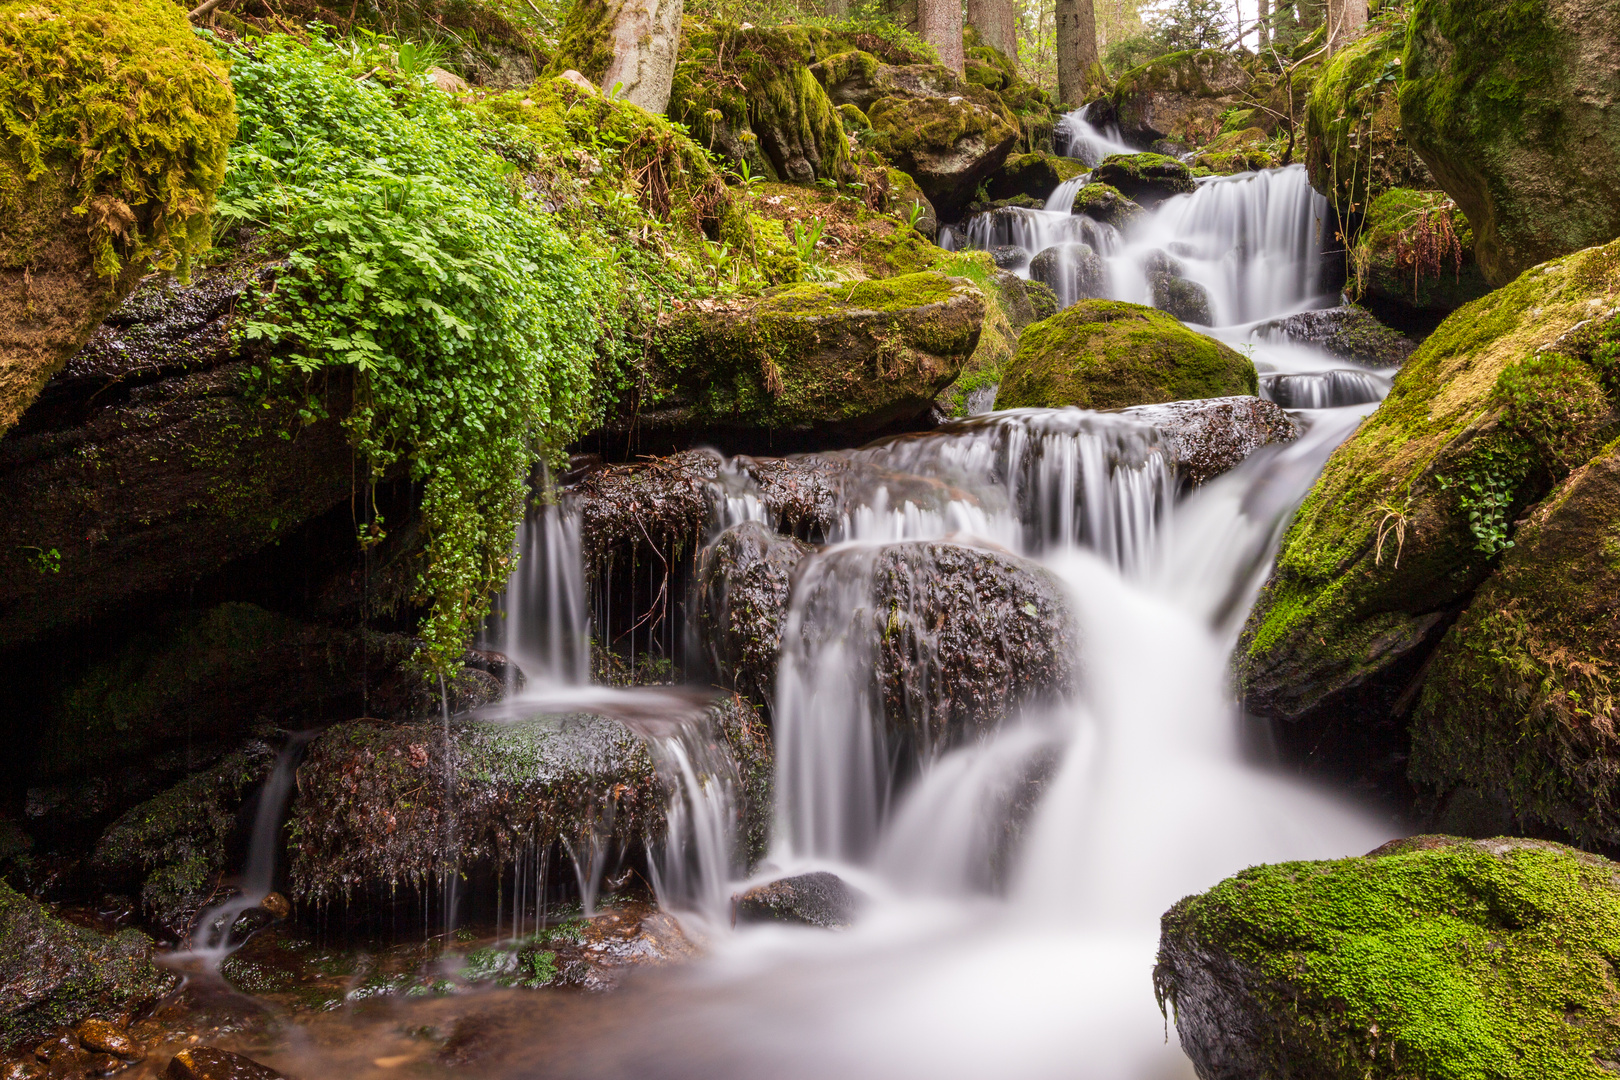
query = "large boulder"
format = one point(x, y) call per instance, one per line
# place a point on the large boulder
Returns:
point(54, 974)
point(1413, 261)
point(1518, 706)
point(1105, 354)
point(1178, 97)
point(1013, 303)
point(114, 123)
point(1354, 147)
point(846, 358)
point(146, 464)
point(1429, 957)
point(1512, 108)
point(1411, 513)
point(381, 806)
point(1347, 332)
point(1147, 179)
point(949, 135)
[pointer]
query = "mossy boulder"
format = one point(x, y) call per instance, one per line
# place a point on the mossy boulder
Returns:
point(1432, 956)
point(1410, 513)
point(1354, 147)
point(1106, 203)
point(848, 357)
point(1036, 175)
point(54, 974)
point(1238, 151)
point(1105, 354)
point(1510, 108)
point(114, 123)
point(1413, 260)
point(1179, 97)
point(1518, 704)
point(1011, 307)
point(382, 806)
point(1145, 178)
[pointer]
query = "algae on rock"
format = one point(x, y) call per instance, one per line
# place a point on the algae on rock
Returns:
point(1105, 354)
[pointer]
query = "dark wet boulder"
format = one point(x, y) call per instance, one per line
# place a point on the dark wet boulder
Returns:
point(1072, 270)
point(1009, 257)
point(1206, 438)
point(1105, 203)
point(819, 899)
point(1147, 179)
point(1178, 97)
point(826, 358)
point(54, 974)
point(1348, 332)
point(144, 465)
point(744, 577)
point(212, 1063)
point(1412, 512)
point(1105, 354)
point(1517, 706)
point(1025, 301)
point(1413, 262)
point(1187, 300)
point(1036, 175)
point(381, 806)
point(1431, 956)
point(1511, 110)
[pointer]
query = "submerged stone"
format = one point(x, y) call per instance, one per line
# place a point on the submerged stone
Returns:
point(212, 1063)
point(1432, 956)
point(1105, 354)
point(819, 899)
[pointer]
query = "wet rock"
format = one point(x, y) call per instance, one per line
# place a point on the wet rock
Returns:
point(1073, 271)
point(53, 973)
point(105, 511)
point(1412, 512)
point(277, 905)
point(375, 802)
point(212, 1063)
point(817, 899)
point(1207, 438)
point(1413, 262)
point(1515, 122)
point(106, 1037)
point(1035, 175)
point(1513, 705)
point(1180, 96)
point(1348, 332)
point(1147, 179)
point(1104, 354)
point(1323, 389)
point(832, 359)
point(1436, 950)
point(1009, 257)
point(1023, 300)
point(744, 577)
point(1186, 300)
point(1105, 203)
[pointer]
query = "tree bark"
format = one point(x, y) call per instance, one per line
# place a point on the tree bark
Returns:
point(1076, 50)
point(645, 36)
point(941, 27)
point(1263, 27)
point(1309, 13)
point(997, 24)
point(837, 9)
point(1345, 20)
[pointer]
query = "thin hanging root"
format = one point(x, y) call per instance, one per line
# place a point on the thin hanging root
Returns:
point(1392, 523)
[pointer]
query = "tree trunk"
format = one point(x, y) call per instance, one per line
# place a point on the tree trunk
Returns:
point(1309, 13)
point(1076, 50)
point(997, 25)
point(1263, 27)
point(645, 36)
point(837, 9)
point(941, 27)
point(1345, 20)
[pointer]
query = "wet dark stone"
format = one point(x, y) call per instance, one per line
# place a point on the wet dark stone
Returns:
point(212, 1063)
point(744, 578)
point(1072, 270)
point(1348, 332)
point(818, 899)
point(1026, 301)
point(1206, 438)
point(1009, 257)
point(1186, 300)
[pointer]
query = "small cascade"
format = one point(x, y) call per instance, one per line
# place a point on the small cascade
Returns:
point(698, 860)
point(1076, 136)
point(542, 619)
point(213, 939)
point(1323, 389)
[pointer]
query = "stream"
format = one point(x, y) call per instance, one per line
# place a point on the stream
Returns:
point(1144, 784)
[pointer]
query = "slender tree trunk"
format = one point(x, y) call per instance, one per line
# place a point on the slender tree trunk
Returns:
point(1263, 27)
point(1309, 13)
point(1076, 50)
point(1345, 20)
point(837, 9)
point(941, 27)
point(997, 24)
point(1237, 8)
point(645, 36)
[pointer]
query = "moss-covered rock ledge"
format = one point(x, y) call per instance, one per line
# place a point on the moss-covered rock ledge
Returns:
point(1430, 957)
point(842, 357)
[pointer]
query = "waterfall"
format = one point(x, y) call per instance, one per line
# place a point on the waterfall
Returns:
point(1077, 137)
point(541, 620)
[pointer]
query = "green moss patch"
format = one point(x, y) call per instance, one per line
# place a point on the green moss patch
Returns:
point(1105, 354)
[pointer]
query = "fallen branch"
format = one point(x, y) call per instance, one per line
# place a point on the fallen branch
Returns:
point(204, 8)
